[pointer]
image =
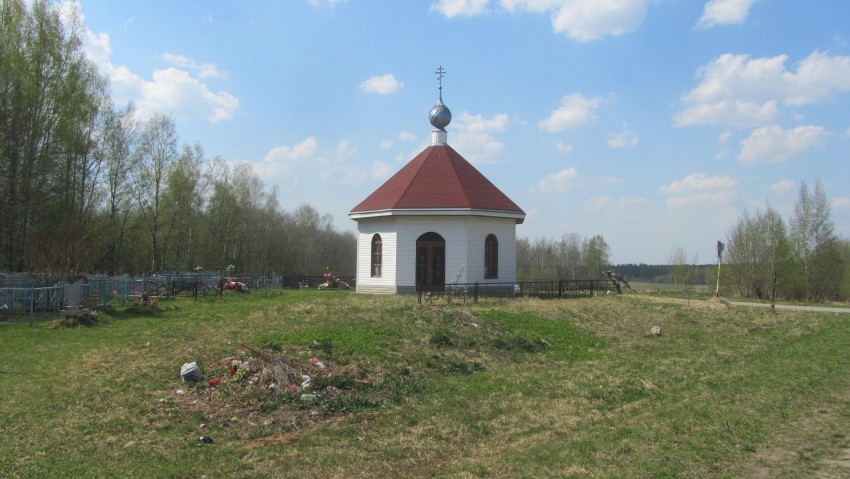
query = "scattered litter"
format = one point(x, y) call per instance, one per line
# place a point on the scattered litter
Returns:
point(179, 392)
point(191, 372)
point(205, 440)
point(202, 426)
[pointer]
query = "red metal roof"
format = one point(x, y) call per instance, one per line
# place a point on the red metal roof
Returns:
point(438, 178)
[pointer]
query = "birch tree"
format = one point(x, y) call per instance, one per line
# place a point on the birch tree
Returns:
point(157, 155)
point(816, 248)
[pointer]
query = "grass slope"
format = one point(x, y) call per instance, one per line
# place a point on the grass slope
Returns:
point(519, 388)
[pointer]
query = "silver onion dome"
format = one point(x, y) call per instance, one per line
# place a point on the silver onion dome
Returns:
point(440, 115)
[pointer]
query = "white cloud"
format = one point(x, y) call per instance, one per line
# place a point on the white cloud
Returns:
point(406, 136)
point(282, 163)
point(740, 91)
point(381, 170)
point(205, 70)
point(292, 154)
point(624, 139)
point(715, 198)
point(563, 147)
point(385, 144)
point(600, 203)
point(699, 188)
point(475, 136)
point(559, 181)
point(575, 110)
point(97, 47)
point(170, 90)
point(384, 84)
point(465, 8)
point(724, 137)
point(739, 114)
point(773, 144)
point(330, 3)
point(285, 164)
point(345, 150)
point(611, 180)
point(477, 123)
point(585, 20)
point(698, 182)
point(724, 12)
point(842, 202)
point(783, 186)
point(848, 132)
point(352, 177)
point(175, 91)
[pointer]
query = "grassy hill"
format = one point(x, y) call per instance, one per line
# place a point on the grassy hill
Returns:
point(508, 388)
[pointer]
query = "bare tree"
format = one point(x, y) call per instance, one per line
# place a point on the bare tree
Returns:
point(816, 248)
point(157, 155)
point(757, 249)
point(116, 151)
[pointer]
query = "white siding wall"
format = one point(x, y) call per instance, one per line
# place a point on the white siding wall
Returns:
point(367, 227)
point(464, 238)
point(505, 231)
point(410, 228)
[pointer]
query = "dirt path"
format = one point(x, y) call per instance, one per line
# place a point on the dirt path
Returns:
point(819, 309)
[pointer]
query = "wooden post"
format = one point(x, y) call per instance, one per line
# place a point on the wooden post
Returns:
point(719, 257)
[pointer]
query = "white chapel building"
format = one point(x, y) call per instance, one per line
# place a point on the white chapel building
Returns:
point(437, 221)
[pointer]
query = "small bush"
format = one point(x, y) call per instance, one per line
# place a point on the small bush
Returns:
point(520, 343)
point(90, 319)
point(442, 339)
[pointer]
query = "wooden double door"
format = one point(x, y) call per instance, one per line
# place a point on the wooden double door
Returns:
point(431, 262)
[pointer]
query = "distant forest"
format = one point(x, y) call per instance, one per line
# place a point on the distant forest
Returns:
point(664, 273)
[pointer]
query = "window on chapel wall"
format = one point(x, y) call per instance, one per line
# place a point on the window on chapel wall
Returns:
point(377, 252)
point(491, 257)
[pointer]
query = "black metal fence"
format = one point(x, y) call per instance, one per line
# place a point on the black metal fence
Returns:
point(546, 289)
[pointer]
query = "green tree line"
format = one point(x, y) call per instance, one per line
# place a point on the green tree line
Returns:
point(572, 257)
point(802, 259)
point(85, 186)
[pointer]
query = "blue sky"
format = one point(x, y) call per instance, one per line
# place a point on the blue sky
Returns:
point(653, 123)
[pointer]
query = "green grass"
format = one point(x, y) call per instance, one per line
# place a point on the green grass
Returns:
point(518, 388)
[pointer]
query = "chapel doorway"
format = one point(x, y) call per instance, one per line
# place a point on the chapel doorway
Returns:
point(431, 262)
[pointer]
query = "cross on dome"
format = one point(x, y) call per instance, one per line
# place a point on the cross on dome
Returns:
point(440, 115)
point(440, 72)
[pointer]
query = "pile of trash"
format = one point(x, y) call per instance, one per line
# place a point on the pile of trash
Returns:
point(263, 388)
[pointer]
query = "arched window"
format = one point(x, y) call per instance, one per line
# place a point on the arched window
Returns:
point(377, 252)
point(491, 257)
